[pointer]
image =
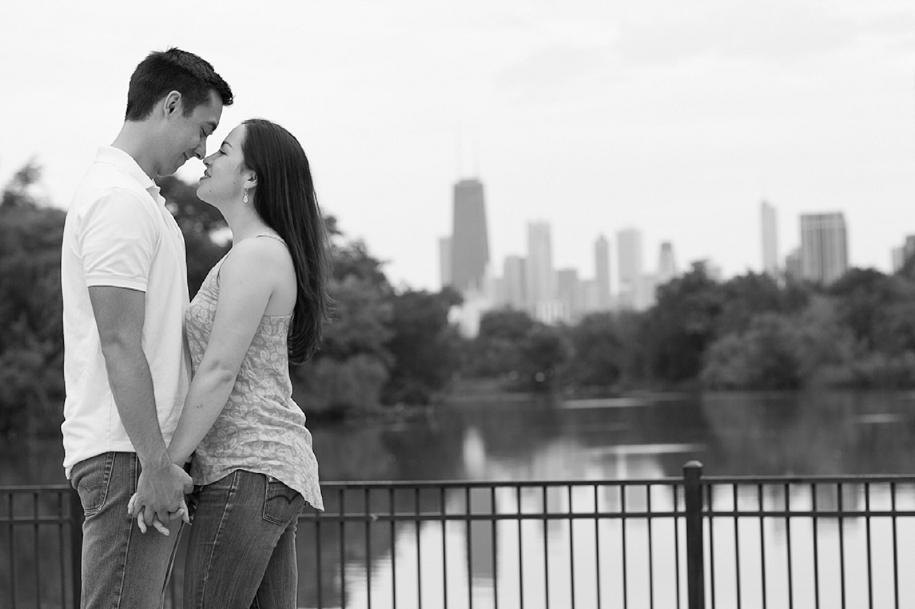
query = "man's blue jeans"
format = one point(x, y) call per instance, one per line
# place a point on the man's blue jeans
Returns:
point(241, 550)
point(122, 567)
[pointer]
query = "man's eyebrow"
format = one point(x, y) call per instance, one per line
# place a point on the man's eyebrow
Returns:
point(213, 125)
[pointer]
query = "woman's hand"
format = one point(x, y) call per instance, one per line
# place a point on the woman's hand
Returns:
point(135, 510)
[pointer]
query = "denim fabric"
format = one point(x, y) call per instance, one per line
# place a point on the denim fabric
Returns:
point(122, 568)
point(241, 550)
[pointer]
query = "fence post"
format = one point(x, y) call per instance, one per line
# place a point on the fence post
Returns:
point(76, 546)
point(695, 540)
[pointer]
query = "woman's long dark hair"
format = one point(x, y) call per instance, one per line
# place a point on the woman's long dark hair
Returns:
point(286, 201)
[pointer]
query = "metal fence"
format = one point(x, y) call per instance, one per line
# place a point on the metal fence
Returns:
point(686, 542)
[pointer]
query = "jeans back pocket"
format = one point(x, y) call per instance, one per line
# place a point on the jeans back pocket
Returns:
point(90, 478)
point(281, 503)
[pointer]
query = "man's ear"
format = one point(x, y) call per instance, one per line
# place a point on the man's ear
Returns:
point(172, 104)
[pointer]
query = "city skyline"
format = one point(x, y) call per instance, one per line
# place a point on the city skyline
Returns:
point(674, 118)
point(532, 282)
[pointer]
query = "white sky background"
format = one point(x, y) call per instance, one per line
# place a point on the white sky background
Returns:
point(673, 117)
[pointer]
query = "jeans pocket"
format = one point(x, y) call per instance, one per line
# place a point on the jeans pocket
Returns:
point(281, 503)
point(91, 478)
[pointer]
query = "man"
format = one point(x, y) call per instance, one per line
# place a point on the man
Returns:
point(124, 281)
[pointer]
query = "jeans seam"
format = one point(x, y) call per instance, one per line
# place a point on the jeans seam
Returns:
point(126, 547)
point(198, 602)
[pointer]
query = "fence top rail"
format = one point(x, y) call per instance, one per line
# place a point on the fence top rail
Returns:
point(493, 484)
point(797, 480)
point(517, 484)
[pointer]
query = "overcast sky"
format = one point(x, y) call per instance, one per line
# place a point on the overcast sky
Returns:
point(674, 117)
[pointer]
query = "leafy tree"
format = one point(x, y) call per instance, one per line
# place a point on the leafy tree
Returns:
point(746, 296)
point(425, 346)
point(353, 363)
point(496, 350)
point(597, 352)
point(809, 349)
point(544, 352)
point(31, 330)
point(762, 357)
point(682, 325)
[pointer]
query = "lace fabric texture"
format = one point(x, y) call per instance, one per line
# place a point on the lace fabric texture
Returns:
point(261, 429)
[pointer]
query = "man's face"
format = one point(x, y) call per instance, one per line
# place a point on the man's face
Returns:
point(187, 135)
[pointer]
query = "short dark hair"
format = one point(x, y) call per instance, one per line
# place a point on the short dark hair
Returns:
point(285, 200)
point(173, 70)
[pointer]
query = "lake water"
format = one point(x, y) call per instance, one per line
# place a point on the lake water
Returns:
point(637, 437)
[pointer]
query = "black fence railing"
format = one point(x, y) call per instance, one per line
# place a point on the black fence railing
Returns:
point(691, 542)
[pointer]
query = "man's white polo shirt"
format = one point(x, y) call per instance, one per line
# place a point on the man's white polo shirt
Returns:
point(119, 233)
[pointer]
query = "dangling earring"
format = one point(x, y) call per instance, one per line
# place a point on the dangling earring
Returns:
point(245, 199)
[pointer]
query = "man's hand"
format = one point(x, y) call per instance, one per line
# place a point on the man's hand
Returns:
point(160, 494)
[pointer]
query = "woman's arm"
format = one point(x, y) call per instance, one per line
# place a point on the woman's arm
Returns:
point(246, 281)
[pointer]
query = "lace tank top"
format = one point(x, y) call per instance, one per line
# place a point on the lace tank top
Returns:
point(260, 429)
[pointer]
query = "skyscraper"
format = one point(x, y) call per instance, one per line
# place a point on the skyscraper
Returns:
point(629, 258)
point(667, 264)
point(470, 239)
point(602, 272)
point(539, 264)
point(769, 239)
point(902, 254)
point(444, 260)
point(569, 293)
point(514, 282)
point(824, 247)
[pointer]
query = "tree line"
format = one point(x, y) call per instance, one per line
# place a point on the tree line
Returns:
point(385, 347)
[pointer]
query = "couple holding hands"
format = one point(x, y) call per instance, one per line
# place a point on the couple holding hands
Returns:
point(168, 398)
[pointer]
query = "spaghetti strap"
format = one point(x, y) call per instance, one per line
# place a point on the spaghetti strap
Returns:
point(272, 236)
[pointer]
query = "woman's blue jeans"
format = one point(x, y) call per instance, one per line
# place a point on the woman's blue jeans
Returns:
point(241, 549)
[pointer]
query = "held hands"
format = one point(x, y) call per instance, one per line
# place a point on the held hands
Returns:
point(181, 512)
point(160, 497)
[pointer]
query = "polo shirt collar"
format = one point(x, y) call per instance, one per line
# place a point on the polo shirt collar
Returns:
point(125, 162)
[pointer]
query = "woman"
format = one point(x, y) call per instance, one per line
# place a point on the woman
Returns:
point(253, 466)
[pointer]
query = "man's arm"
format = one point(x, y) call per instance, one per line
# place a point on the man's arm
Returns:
point(120, 315)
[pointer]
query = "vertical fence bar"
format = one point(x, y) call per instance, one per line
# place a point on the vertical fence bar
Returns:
point(762, 541)
point(444, 547)
point(650, 551)
point(895, 547)
point(37, 538)
point(695, 560)
point(597, 544)
point(546, 551)
point(76, 547)
point(711, 548)
point(61, 553)
point(624, 547)
point(419, 562)
point(788, 545)
point(520, 550)
point(737, 580)
point(366, 497)
point(816, 549)
point(677, 542)
point(469, 535)
point(571, 547)
point(495, 547)
point(343, 547)
point(319, 567)
point(392, 513)
point(870, 568)
point(841, 544)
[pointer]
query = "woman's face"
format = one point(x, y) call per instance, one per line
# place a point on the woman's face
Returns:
point(225, 177)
